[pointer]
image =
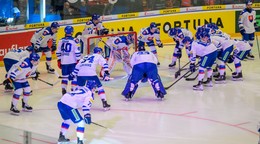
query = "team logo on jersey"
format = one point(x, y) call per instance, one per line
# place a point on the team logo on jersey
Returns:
point(250, 18)
point(150, 38)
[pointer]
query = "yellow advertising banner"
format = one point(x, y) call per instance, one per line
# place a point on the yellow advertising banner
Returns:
point(170, 11)
point(214, 7)
point(224, 19)
point(37, 25)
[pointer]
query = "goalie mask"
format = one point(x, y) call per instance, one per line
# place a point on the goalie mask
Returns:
point(130, 38)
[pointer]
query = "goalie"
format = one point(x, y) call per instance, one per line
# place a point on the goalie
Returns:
point(119, 47)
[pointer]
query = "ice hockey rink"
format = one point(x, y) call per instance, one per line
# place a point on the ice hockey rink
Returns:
point(223, 114)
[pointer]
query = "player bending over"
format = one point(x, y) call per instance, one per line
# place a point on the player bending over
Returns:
point(86, 70)
point(18, 77)
point(68, 107)
point(144, 65)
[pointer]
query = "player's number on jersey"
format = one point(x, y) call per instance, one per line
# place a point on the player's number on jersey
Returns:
point(66, 47)
point(90, 59)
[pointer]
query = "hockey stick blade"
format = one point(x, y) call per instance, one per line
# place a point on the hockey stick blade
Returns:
point(45, 82)
point(103, 127)
point(166, 88)
point(191, 79)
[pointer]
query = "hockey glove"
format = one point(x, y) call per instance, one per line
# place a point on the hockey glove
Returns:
point(179, 53)
point(35, 76)
point(242, 31)
point(160, 45)
point(192, 67)
point(7, 81)
point(59, 63)
point(87, 118)
point(106, 76)
point(53, 48)
point(36, 48)
point(230, 59)
point(71, 77)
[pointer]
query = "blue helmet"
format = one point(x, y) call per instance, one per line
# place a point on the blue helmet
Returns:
point(91, 84)
point(153, 25)
point(97, 50)
point(34, 57)
point(248, 2)
point(186, 39)
point(95, 17)
point(55, 25)
point(172, 32)
point(69, 30)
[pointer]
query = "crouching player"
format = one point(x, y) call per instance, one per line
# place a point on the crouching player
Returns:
point(18, 77)
point(68, 107)
point(242, 49)
point(13, 59)
point(85, 70)
point(207, 53)
point(144, 65)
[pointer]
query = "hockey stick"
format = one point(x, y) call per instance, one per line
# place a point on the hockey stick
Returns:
point(103, 127)
point(257, 44)
point(192, 79)
point(166, 88)
point(177, 73)
point(229, 67)
point(45, 82)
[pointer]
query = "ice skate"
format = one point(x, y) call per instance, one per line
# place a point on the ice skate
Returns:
point(129, 96)
point(199, 86)
point(14, 110)
point(106, 106)
point(172, 64)
point(250, 56)
point(63, 91)
point(237, 76)
point(160, 95)
point(49, 69)
point(26, 107)
point(208, 82)
point(221, 79)
point(62, 138)
point(79, 141)
point(158, 63)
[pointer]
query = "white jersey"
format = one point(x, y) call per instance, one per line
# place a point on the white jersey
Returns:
point(91, 28)
point(143, 57)
point(18, 55)
point(42, 36)
point(81, 98)
point(68, 50)
point(247, 21)
point(87, 65)
point(19, 74)
point(240, 45)
point(221, 42)
point(201, 49)
point(146, 35)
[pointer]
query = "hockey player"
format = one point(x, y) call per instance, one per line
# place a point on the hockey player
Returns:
point(147, 36)
point(247, 25)
point(68, 54)
point(69, 106)
point(177, 34)
point(94, 27)
point(225, 48)
point(144, 66)
point(242, 48)
point(119, 52)
point(18, 77)
point(13, 59)
point(207, 53)
point(86, 70)
point(40, 42)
